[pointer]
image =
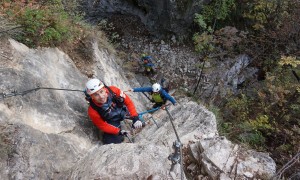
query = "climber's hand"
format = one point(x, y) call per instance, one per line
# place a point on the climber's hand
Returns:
point(138, 124)
point(123, 132)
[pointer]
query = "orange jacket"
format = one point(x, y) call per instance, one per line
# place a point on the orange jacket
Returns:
point(101, 123)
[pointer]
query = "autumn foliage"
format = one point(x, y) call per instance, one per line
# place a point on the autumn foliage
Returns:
point(265, 114)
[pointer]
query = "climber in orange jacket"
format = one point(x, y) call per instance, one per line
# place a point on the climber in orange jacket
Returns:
point(108, 107)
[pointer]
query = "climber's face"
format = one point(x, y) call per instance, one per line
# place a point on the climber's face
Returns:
point(100, 96)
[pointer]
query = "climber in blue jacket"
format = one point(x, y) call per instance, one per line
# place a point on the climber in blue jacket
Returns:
point(158, 94)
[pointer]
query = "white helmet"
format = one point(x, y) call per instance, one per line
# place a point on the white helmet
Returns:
point(93, 85)
point(156, 87)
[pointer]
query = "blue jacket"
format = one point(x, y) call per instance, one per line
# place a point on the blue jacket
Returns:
point(146, 57)
point(149, 65)
point(149, 59)
point(163, 93)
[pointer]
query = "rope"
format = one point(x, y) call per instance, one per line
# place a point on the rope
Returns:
point(180, 144)
point(15, 93)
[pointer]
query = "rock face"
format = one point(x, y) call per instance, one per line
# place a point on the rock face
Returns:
point(161, 17)
point(125, 161)
point(43, 132)
point(223, 160)
point(46, 134)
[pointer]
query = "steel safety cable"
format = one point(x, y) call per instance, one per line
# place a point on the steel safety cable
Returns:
point(178, 139)
point(15, 93)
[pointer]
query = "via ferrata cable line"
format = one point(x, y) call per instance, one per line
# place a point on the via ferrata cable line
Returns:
point(15, 93)
point(176, 157)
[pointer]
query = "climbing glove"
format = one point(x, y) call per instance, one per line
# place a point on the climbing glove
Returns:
point(138, 124)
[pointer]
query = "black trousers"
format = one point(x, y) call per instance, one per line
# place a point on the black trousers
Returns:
point(112, 139)
point(158, 104)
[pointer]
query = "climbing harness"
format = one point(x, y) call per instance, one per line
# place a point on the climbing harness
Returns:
point(15, 93)
point(117, 99)
point(157, 98)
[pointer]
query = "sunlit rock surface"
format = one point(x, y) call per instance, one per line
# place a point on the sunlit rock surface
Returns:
point(46, 134)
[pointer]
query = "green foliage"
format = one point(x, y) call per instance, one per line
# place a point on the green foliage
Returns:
point(260, 123)
point(43, 24)
point(215, 10)
point(252, 138)
point(262, 13)
point(225, 128)
point(269, 110)
point(280, 85)
point(258, 13)
point(199, 19)
point(238, 108)
point(51, 28)
point(222, 8)
point(204, 43)
point(51, 34)
point(109, 28)
point(285, 148)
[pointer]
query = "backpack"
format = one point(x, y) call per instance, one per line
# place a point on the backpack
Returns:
point(163, 86)
point(146, 59)
point(160, 94)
